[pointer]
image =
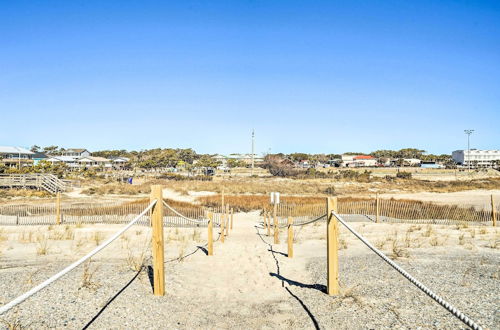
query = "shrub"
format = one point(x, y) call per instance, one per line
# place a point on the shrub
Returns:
point(403, 175)
point(330, 190)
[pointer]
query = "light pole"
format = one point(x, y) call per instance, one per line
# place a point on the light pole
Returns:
point(468, 132)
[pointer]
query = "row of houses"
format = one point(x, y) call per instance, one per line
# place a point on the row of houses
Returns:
point(245, 158)
point(474, 158)
point(370, 161)
point(74, 159)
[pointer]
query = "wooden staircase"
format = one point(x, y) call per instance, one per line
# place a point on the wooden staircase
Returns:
point(48, 182)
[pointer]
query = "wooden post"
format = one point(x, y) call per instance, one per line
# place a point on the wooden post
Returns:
point(222, 199)
point(493, 212)
point(332, 247)
point(232, 214)
point(58, 208)
point(210, 245)
point(290, 237)
point(157, 241)
point(222, 226)
point(377, 206)
point(276, 229)
point(227, 220)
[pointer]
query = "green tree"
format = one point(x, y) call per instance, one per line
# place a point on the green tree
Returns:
point(207, 161)
point(298, 156)
point(51, 150)
point(232, 163)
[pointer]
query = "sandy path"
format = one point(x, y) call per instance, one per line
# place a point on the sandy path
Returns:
point(240, 267)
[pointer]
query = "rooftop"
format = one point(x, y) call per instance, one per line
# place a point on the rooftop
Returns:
point(15, 150)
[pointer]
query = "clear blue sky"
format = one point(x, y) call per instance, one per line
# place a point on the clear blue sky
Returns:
point(309, 76)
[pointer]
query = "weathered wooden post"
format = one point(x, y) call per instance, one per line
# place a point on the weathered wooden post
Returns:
point(227, 220)
point(276, 229)
point(232, 214)
point(493, 212)
point(210, 245)
point(222, 201)
point(290, 237)
point(58, 208)
point(332, 247)
point(222, 227)
point(157, 241)
point(377, 206)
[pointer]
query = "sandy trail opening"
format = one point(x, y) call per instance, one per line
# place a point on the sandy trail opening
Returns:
point(246, 267)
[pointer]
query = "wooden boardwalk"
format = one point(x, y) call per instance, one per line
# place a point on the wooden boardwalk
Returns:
point(48, 182)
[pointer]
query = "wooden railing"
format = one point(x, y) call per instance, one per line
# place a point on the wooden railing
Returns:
point(48, 182)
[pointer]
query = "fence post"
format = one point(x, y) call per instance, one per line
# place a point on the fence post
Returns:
point(276, 229)
point(222, 198)
point(58, 208)
point(222, 226)
point(232, 213)
point(493, 212)
point(210, 245)
point(157, 240)
point(290, 237)
point(377, 206)
point(227, 219)
point(332, 247)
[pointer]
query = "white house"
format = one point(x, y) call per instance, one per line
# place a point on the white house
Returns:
point(475, 157)
point(119, 162)
point(70, 161)
point(76, 152)
point(76, 163)
point(358, 161)
point(94, 162)
point(15, 156)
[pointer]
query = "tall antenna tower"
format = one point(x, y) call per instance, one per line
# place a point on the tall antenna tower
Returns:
point(253, 149)
point(468, 132)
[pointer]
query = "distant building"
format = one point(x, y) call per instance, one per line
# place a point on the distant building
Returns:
point(476, 158)
point(411, 162)
point(76, 152)
point(304, 164)
point(222, 159)
point(119, 162)
point(70, 161)
point(247, 158)
point(358, 161)
point(94, 162)
point(16, 156)
point(38, 157)
point(431, 165)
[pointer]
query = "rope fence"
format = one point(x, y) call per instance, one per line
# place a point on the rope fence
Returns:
point(66, 270)
point(449, 307)
point(333, 217)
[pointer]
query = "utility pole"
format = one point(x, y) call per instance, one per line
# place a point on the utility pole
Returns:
point(468, 132)
point(253, 150)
